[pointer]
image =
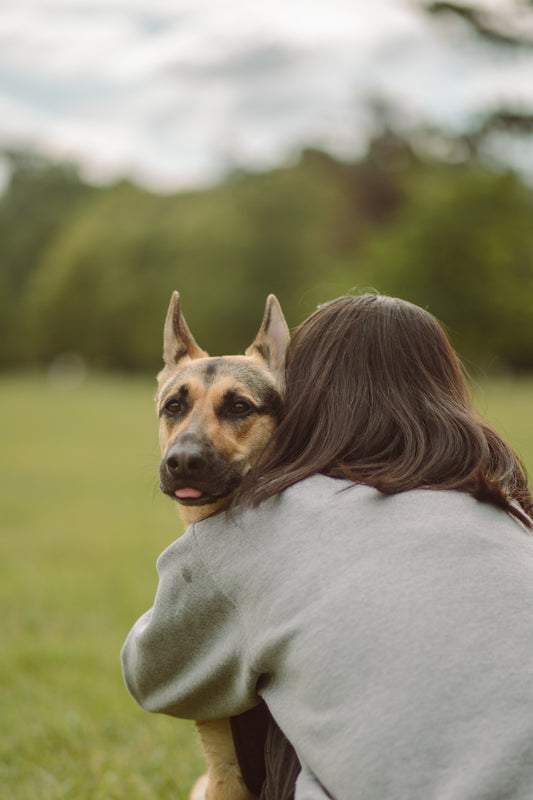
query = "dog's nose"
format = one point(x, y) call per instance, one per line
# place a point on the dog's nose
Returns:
point(185, 459)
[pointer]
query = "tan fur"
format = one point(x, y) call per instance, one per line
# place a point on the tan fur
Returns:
point(239, 445)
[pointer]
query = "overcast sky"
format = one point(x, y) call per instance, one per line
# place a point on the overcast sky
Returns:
point(172, 92)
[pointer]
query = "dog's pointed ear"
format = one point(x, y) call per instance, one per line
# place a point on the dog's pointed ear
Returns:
point(178, 341)
point(272, 340)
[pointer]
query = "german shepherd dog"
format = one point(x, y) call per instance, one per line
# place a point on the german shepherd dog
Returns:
point(215, 417)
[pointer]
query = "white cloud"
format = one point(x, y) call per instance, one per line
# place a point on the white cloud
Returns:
point(171, 90)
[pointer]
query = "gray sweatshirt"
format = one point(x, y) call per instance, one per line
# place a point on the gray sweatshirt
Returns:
point(391, 638)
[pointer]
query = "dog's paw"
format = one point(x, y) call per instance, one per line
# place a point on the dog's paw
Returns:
point(199, 790)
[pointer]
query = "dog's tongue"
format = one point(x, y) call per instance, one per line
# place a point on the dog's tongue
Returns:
point(188, 493)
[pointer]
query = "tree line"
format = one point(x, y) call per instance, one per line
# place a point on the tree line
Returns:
point(90, 270)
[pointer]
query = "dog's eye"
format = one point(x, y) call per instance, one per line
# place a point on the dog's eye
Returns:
point(240, 408)
point(173, 407)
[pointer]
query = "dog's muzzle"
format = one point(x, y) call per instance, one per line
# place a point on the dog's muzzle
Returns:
point(195, 473)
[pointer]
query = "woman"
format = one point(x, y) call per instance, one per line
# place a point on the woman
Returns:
point(378, 594)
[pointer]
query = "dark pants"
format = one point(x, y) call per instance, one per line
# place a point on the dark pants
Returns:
point(267, 760)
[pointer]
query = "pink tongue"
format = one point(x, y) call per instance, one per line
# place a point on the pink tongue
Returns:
point(188, 493)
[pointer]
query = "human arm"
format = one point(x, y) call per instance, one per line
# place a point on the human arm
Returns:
point(188, 655)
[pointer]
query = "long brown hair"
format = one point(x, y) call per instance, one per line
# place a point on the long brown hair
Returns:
point(375, 393)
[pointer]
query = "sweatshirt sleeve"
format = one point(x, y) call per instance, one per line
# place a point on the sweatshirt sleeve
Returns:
point(187, 656)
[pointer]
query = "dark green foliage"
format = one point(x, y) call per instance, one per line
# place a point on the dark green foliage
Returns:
point(90, 270)
point(40, 203)
point(462, 246)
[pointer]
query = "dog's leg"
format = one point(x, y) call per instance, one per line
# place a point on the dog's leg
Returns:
point(223, 780)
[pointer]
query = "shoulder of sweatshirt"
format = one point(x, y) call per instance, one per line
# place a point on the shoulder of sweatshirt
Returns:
point(320, 506)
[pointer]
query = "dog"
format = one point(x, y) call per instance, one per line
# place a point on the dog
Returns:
point(216, 415)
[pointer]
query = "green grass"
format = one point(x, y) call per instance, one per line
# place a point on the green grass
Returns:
point(82, 525)
point(508, 404)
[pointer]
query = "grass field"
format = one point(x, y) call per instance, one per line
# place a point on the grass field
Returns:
point(82, 524)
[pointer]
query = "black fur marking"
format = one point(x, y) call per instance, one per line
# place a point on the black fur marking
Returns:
point(251, 376)
point(272, 404)
point(210, 369)
point(268, 404)
point(181, 347)
point(228, 408)
point(179, 353)
point(181, 396)
point(256, 383)
point(263, 351)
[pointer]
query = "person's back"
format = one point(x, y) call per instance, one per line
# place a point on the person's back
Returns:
point(422, 687)
point(389, 636)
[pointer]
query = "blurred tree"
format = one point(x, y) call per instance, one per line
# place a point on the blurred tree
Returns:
point(462, 246)
point(507, 28)
point(507, 24)
point(40, 200)
point(102, 287)
point(91, 270)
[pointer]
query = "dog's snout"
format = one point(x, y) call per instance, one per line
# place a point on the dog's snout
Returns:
point(194, 471)
point(185, 459)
